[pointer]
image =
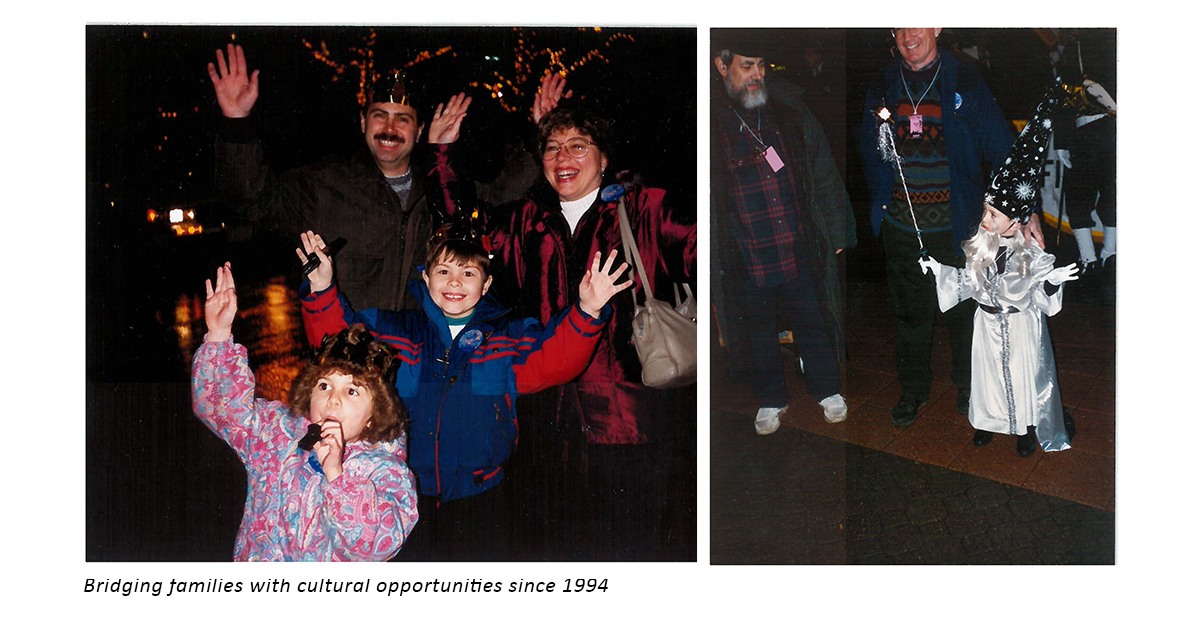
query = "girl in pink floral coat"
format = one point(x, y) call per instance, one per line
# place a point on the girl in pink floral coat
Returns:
point(345, 493)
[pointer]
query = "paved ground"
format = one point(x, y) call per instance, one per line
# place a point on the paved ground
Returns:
point(799, 498)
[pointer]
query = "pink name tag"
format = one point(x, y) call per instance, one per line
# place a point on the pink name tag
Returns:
point(773, 159)
point(914, 124)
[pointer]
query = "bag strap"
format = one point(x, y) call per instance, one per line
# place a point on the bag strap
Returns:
point(687, 291)
point(631, 251)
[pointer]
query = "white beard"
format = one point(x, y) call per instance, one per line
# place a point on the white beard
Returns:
point(981, 250)
point(746, 98)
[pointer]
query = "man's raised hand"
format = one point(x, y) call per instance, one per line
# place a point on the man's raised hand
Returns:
point(235, 86)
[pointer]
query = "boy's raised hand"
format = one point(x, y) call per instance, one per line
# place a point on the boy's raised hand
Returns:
point(220, 306)
point(598, 285)
point(321, 278)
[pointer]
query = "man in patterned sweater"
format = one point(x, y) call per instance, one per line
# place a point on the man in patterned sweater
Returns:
point(948, 132)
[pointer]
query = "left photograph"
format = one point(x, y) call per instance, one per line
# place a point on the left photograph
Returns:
point(391, 293)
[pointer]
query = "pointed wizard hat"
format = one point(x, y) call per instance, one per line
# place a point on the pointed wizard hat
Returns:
point(1017, 182)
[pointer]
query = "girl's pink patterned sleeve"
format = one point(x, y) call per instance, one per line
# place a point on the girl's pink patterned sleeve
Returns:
point(372, 507)
point(223, 393)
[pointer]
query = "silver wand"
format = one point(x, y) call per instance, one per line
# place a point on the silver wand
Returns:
point(887, 150)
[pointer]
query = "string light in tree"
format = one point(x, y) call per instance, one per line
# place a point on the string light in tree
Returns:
point(360, 63)
point(532, 62)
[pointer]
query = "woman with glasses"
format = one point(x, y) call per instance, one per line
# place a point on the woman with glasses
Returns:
point(616, 433)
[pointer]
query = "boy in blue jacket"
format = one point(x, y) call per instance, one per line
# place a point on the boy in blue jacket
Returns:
point(462, 362)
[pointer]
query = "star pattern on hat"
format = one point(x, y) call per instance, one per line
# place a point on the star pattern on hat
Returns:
point(1013, 189)
point(1024, 190)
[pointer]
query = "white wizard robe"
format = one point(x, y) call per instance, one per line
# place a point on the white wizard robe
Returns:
point(1014, 383)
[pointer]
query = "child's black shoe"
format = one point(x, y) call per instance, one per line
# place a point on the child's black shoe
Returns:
point(1027, 443)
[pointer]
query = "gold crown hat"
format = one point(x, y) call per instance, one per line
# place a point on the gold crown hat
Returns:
point(390, 89)
point(1017, 183)
point(466, 226)
point(358, 346)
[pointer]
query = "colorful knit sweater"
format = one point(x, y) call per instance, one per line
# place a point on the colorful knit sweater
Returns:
point(974, 131)
point(292, 512)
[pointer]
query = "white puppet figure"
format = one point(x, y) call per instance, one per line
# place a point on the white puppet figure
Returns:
point(1014, 383)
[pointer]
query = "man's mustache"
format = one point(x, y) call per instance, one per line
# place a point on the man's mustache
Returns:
point(390, 137)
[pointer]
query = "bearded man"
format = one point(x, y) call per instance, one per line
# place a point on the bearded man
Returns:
point(781, 216)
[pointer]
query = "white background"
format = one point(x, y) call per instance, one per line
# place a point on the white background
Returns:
point(42, 451)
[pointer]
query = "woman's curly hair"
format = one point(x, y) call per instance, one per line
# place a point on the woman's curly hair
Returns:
point(355, 352)
point(581, 118)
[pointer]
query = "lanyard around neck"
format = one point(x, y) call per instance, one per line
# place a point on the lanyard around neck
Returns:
point(746, 126)
point(917, 103)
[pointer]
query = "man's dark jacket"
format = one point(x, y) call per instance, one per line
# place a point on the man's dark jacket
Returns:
point(976, 134)
point(338, 197)
point(829, 219)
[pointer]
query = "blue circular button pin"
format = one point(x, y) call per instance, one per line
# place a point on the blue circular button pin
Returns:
point(612, 192)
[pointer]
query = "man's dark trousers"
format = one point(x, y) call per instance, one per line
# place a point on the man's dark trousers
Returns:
point(915, 306)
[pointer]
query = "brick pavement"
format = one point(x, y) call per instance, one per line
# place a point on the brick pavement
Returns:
point(799, 498)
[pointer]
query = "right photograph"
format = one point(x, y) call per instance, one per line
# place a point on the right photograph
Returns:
point(913, 273)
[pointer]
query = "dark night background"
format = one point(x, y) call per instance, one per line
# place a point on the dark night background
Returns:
point(151, 115)
point(1018, 71)
point(159, 486)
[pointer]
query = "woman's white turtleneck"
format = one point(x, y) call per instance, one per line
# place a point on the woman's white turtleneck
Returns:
point(574, 210)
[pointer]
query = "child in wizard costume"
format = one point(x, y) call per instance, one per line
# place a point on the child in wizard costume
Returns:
point(1014, 383)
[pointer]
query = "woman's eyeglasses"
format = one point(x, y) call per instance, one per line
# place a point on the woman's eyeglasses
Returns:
point(575, 148)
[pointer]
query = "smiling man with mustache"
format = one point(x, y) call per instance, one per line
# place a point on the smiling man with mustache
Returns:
point(391, 131)
point(949, 131)
point(375, 198)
